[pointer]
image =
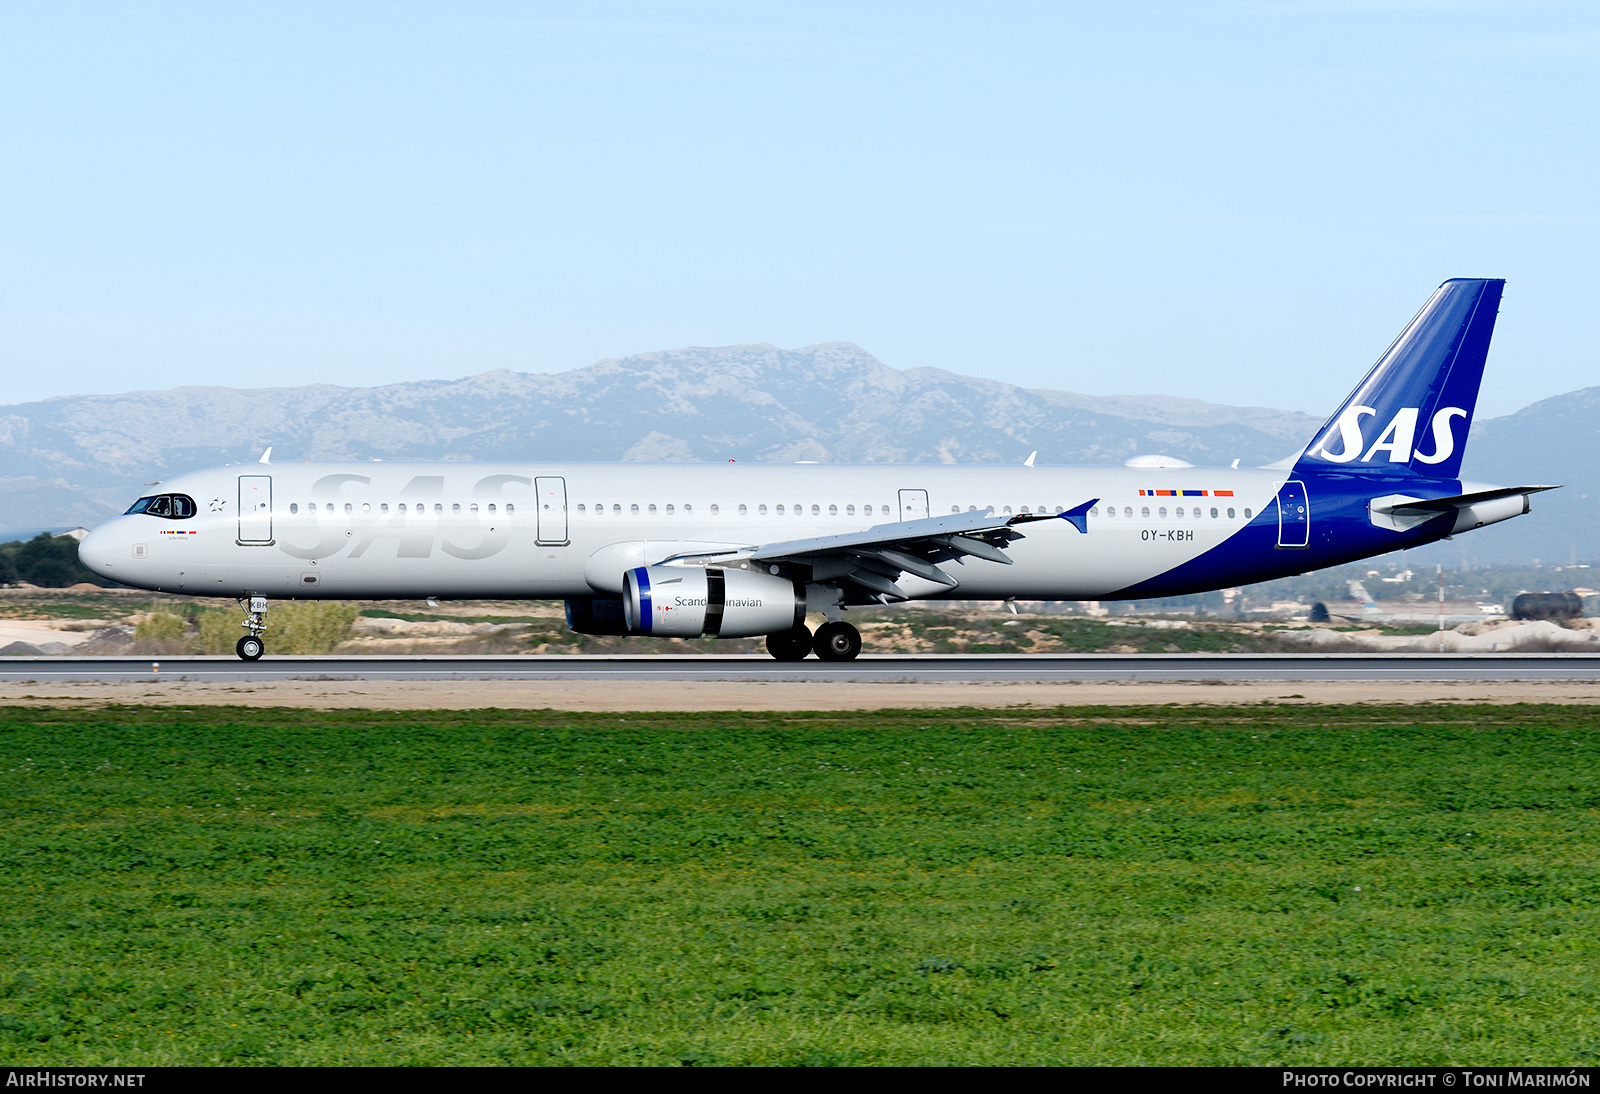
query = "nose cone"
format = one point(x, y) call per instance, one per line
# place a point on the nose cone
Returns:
point(97, 551)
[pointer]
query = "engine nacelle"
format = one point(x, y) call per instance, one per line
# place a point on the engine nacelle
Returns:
point(688, 602)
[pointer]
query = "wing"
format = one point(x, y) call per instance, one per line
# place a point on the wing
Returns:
point(874, 559)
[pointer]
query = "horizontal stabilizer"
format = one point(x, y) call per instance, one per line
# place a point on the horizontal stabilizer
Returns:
point(1474, 509)
point(1462, 501)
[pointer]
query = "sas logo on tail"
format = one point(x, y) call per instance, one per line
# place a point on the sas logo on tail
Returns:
point(1397, 439)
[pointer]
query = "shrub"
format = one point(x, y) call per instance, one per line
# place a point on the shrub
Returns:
point(161, 632)
point(309, 627)
point(219, 631)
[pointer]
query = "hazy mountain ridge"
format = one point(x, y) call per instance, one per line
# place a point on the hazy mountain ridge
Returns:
point(79, 459)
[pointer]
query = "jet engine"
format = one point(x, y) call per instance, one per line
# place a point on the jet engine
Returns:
point(688, 602)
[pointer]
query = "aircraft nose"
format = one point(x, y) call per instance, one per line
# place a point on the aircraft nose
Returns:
point(97, 550)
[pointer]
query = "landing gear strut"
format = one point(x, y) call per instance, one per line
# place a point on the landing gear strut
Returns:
point(251, 646)
point(790, 645)
point(837, 642)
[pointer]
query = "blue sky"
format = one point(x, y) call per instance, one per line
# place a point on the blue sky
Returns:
point(1234, 201)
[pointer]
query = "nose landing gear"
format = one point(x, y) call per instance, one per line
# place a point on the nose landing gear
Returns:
point(251, 646)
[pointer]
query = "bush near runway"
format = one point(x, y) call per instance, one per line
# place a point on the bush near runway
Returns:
point(1273, 885)
point(124, 622)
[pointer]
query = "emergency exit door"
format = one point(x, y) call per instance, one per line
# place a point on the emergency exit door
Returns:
point(552, 519)
point(913, 504)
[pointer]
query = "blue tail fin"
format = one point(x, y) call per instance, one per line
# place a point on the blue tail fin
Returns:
point(1414, 408)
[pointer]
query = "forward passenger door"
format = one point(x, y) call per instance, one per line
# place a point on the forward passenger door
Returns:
point(255, 509)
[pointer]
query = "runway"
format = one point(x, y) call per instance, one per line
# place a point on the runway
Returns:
point(876, 669)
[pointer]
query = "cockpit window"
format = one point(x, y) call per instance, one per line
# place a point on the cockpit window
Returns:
point(171, 506)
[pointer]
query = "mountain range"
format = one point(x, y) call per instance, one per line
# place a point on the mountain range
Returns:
point(79, 459)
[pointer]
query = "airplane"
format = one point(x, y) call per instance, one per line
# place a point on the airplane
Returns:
point(738, 550)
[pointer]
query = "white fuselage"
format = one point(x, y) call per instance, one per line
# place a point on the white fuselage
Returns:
point(546, 531)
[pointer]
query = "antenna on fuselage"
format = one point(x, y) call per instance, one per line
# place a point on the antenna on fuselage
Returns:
point(266, 457)
point(1029, 461)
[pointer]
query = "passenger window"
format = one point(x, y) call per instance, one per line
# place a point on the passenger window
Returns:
point(1162, 512)
point(384, 508)
point(833, 510)
point(652, 509)
point(1024, 509)
point(438, 507)
point(1213, 514)
point(688, 509)
point(1247, 514)
point(473, 507)
point(780, 510)
point(1127, 511)
point(714, 510)
point(294, 507)
point(816, 510)
point(761, 509)
point(1111, 510)
point(799, 510)
point(366, 507)
point(510, 508)
point(455, 507)
point(634, 508)
point(1144, 511)
point(849, 510)
point(743, 509)
point(671, 510)
point(1230, 514)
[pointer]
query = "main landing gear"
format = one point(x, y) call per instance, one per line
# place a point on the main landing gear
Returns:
point(790, 645)
point(837, 642)
point(833, 642)
point(251, 646)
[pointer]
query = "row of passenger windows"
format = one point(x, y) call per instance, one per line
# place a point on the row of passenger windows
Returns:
point(383, 507)
point(178, 505)
point(744, 510)
point(1195, 512)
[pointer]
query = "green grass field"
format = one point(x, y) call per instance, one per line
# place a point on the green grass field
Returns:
point(1266, 885)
